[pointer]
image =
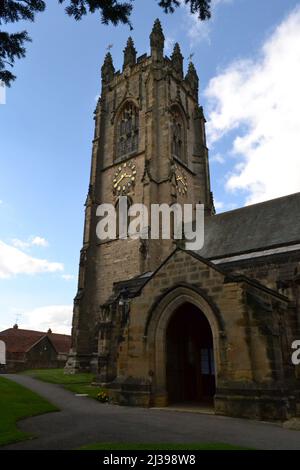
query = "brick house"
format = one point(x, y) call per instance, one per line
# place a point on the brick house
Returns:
point(28, 349)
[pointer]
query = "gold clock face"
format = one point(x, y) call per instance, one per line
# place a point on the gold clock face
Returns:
point(181, 181)
point(124, 178)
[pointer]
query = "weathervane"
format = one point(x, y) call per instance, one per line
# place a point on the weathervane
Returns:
point(191, 56)
point(18, 316)
point(109, 47)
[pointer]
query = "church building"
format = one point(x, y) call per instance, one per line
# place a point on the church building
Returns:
point(158, 324)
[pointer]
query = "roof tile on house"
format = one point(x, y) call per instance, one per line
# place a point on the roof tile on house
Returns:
point(62, 343)
point(21, 341)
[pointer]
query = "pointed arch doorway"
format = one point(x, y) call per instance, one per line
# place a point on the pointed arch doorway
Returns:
point(190, 364)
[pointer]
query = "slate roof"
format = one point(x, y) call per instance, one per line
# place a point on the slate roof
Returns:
point(21, 341)
point(128, 288)
point(257, 227)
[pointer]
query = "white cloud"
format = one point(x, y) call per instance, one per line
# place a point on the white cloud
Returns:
point(20, 244)
point(56, 317)
point(219, 205)
point(32, 241)
point(217, 158)
point(169, 44)
point(68, 277)
point(39, 241)
point(13, 262)
point(198, 30)
point(259, 100)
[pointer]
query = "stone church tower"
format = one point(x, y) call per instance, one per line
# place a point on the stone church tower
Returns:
point(148, 120)
point(156, 323)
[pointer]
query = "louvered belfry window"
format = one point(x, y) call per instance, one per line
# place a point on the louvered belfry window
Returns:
point(177, 134)
point(128, 131)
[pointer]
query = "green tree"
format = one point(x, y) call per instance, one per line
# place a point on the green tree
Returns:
point(12, 46)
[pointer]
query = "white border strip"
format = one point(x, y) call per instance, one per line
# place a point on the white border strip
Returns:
point(257, 254)
point(2, 93)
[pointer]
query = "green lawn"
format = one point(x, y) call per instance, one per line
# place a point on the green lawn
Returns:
point(202, 446)
point(57, 376)
point(77, 383)
point(17, 402)
point(89, 390)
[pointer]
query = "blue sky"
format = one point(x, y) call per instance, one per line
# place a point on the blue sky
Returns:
point(248, 60)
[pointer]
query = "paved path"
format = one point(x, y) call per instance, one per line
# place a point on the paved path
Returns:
point(84, 421)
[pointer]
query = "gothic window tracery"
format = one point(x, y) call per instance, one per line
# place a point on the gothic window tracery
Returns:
point(128, 131)
point(177, 131)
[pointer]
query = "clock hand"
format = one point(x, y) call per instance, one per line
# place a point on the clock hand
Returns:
point(119, 180)
point(179, 178)
point(183, 182)
point(128, 175)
